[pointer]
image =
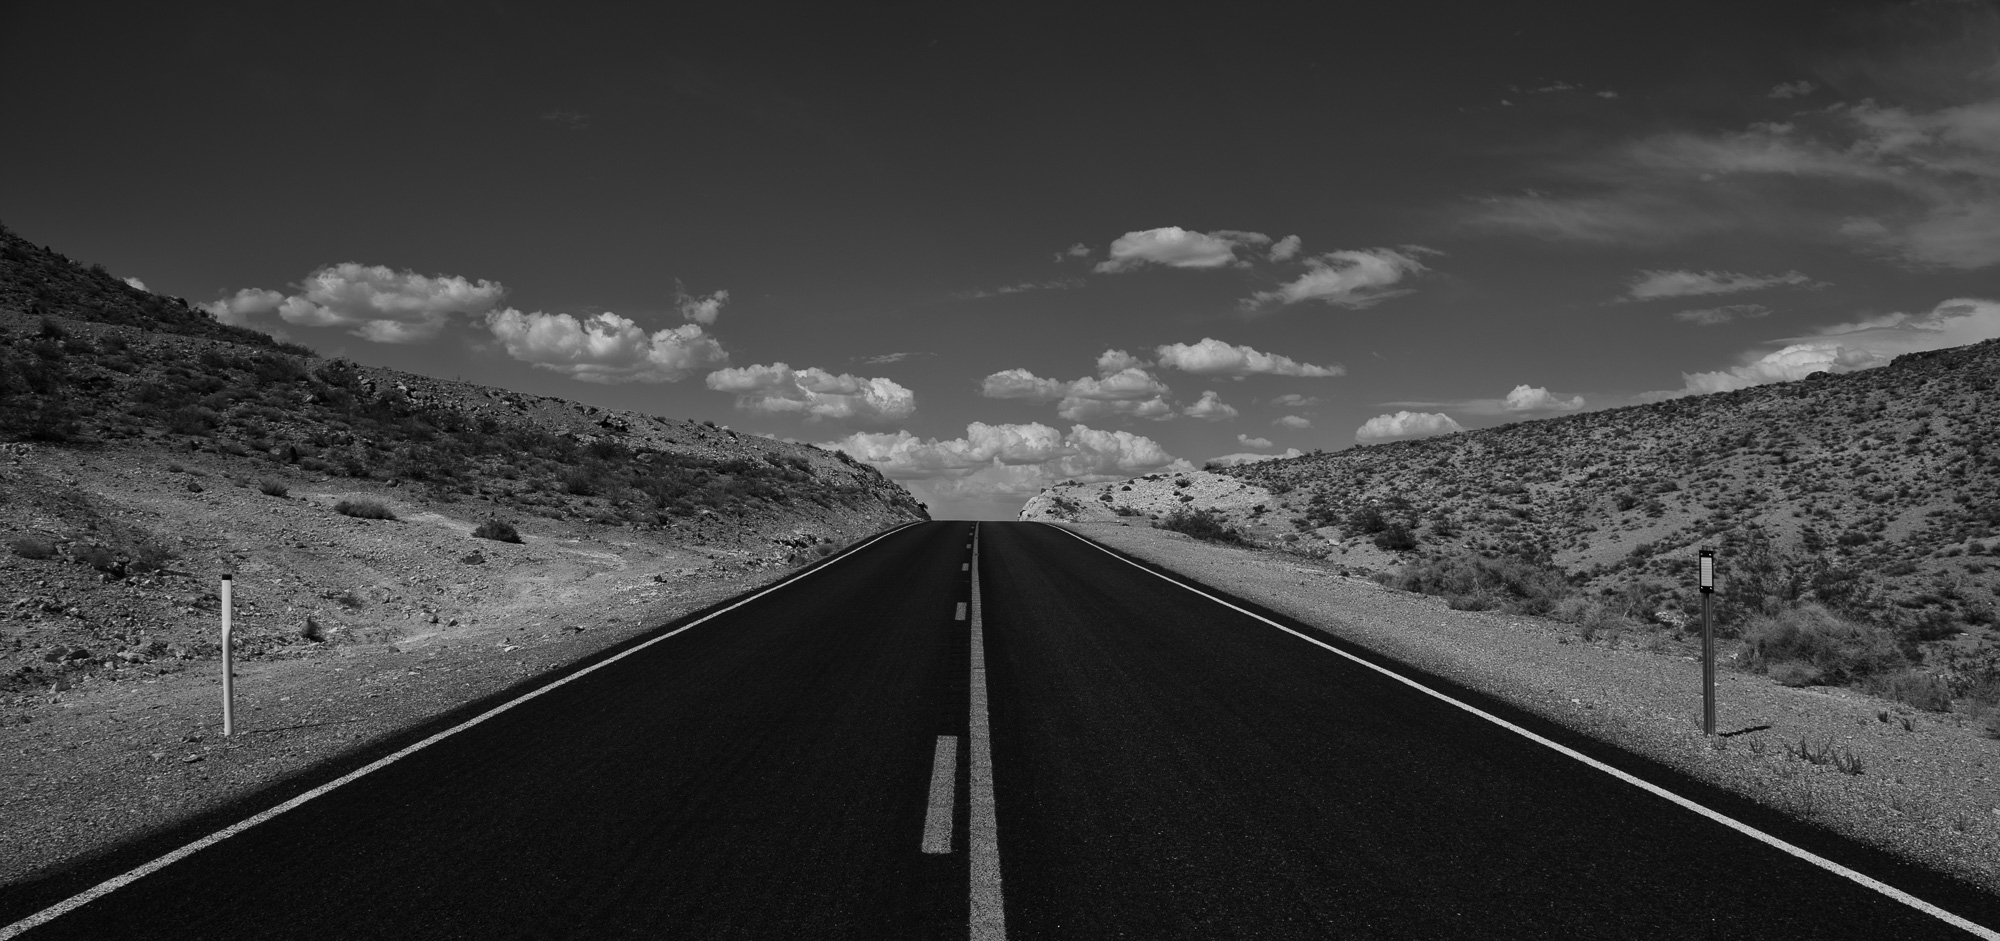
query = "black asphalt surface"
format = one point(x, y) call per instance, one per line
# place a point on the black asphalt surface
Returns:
point(1163, 768)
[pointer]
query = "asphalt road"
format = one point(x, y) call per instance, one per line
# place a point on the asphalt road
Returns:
point(1162, 767)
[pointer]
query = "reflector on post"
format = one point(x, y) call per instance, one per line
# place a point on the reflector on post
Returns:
point(1707, 570)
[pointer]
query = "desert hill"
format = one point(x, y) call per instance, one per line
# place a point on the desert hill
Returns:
point(1876, 493)
point(153, 448)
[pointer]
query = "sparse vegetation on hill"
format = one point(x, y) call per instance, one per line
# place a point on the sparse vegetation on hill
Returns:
point(142, 388)
point(1850, 514)
point(1856, 518)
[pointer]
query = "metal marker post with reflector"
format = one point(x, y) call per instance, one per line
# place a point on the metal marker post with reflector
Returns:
point(228, 668)
point(1707, 643)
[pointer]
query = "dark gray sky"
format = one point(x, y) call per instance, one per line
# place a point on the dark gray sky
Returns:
point(1408, 218)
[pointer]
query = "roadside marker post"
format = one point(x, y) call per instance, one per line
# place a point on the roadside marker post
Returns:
point(1707, 642)
point(228, 667)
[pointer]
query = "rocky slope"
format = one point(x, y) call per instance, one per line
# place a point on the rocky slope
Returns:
point(1876, 493)
point(156, 449)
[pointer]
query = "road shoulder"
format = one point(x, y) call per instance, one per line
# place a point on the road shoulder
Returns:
point(1928, 791)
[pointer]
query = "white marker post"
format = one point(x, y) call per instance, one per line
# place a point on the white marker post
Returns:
point(1707, 643)
point(228, 668)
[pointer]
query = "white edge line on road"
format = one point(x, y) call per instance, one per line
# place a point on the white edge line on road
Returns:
point(989, 916)
point(110, 885)
point(1717, 816)
point(944, 775)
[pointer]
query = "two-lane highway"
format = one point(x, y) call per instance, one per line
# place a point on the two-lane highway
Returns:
point(1030, 738)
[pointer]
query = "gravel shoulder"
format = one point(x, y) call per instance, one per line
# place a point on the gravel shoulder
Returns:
point(1929, 788)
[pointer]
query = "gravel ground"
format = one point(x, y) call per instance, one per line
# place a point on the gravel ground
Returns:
point(1929, 788)
point(94, 771)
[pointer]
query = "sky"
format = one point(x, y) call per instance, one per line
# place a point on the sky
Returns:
point(990, 250)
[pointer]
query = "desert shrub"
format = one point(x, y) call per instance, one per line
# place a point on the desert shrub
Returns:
point(1366, 521)
point(98, 557)
point(150, 556)
point(1910, 687)
point(1827, 648)
point(192, 420)
point(273, 488)
point(1396, 537)
point(1473, 582)
point(497, 530)
point(33, 547)
point(1201, 524)
point(364, 509)
point(1593, 618)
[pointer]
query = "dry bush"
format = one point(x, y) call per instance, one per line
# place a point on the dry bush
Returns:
point(364, 509)
point(1912, 688)
point(1821, 647)
point(497, 530)
point(1592, 618)
point(1472, 582)
point(1201, 524)
point(33, 547)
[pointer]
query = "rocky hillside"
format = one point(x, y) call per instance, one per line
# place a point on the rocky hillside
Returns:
point(1875, 492)
point(154, 449)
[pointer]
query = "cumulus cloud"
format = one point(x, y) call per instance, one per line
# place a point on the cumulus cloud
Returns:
point(1710, 316)
point(1295, 400)
point(604, 347)
point(1285, 248)
point(1079, 250)
point(573, 120)
point(1022, 384)
point(701, 310)
point(1113, 361)
point(1798, 89)
point(1405, 425)
point(1131, 391)
point(1854, 346)
point(379, 303)
point(1250, 457)
point(135, 282)
point(779, 389)
point(1352, 279)
point(1527, 398)
point(1008, 460)
point(1123, 386)
point(1176, 247)
point(1210, 408)
point(1651, 285)
point(1213, 357)
point(1294, 422)
point(237, 309)
point(1249, 442)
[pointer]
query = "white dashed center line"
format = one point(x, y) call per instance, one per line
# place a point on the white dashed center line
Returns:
point(961, 612)
point(944, 775)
